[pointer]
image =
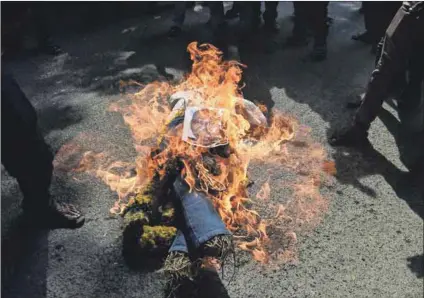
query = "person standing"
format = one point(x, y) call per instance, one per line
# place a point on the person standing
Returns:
point(377, 17)
point(38, 15)
point(402, 51)
point(250, 15)
point(269, 16)
point(310, 16)
point(178, 18)
point(27, 157)
point(234, 12)
point(20, 19)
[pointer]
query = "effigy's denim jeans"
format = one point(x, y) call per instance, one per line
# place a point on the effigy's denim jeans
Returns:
point(200, 221)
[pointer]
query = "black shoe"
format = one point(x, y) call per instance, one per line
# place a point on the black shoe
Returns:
point(319, 53)
point(351, 137)
point(364, 37)
point(174, 31)
point(57, 216)
point(232, 14)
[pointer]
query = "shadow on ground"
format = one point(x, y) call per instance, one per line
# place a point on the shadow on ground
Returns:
point(24, 261)
point(57, 118)
point(416, 264)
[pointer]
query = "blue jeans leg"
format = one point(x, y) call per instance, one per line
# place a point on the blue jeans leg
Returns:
point(202, 222)
point(179, 243)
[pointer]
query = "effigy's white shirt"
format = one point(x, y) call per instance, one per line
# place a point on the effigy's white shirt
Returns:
point(179, 101)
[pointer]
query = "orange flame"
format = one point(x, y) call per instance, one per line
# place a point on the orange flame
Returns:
point(215, 84)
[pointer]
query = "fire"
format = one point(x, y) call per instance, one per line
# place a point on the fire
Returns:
point(214, 84)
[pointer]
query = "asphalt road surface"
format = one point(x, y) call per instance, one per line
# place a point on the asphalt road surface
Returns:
point(369, 244)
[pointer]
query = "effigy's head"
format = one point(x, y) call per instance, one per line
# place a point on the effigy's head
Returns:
point(205, 127)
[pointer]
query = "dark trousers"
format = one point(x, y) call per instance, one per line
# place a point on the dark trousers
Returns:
point(311, 15)
point(179, 13)
point(217, 12)
point(377, 17)
point(402, 52)
point(35, 21)
point(411, 113)
point(270, 14)
point(24, 153)
point(250, 13)
point(403, 37)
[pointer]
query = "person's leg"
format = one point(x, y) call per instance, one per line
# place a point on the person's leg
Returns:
point(410, 137)
point(411, 112)
point(385, 11)
point(179, 14)
point(39, 11)
point(24, 154)
point(27, 157)
point(178, 18)
point(248, 12)
point(256, 13)
point(359, 98)
point(396, 88)
point(317, 12)
point(369, 16)
point(234, 12)
point(270, 16)
point(382, 14)
point(299, 33)
point(217, 18)
point(218, 24)
point(395, 54)
point(403, 33)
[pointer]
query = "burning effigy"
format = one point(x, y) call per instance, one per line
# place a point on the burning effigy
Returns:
point(196, 165)
point(186, 195)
